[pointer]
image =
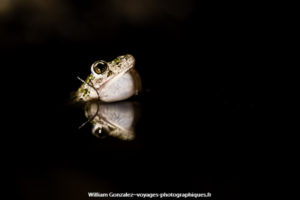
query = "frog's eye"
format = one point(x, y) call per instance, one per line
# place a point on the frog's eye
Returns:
point(99, 67)
point(100, 133)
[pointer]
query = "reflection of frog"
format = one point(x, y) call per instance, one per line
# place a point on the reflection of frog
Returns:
point(114, 81)
point(113, 119)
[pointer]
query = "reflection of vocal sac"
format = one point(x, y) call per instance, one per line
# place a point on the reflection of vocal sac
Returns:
point(113, 119)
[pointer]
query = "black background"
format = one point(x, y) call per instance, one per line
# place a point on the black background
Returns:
point(196, 62)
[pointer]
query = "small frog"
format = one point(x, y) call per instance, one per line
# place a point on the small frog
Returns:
point(111, 81)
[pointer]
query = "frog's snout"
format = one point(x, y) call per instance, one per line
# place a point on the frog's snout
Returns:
point(130, 59)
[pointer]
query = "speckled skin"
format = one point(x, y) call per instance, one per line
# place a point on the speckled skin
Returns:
point(118, 82)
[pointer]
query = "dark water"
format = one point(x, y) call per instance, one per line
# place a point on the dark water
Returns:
point(196, 108)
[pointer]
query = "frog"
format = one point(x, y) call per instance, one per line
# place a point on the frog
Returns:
point(112, 81)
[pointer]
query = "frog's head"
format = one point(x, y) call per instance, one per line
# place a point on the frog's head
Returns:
point(105, 71)
point(102, 73)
